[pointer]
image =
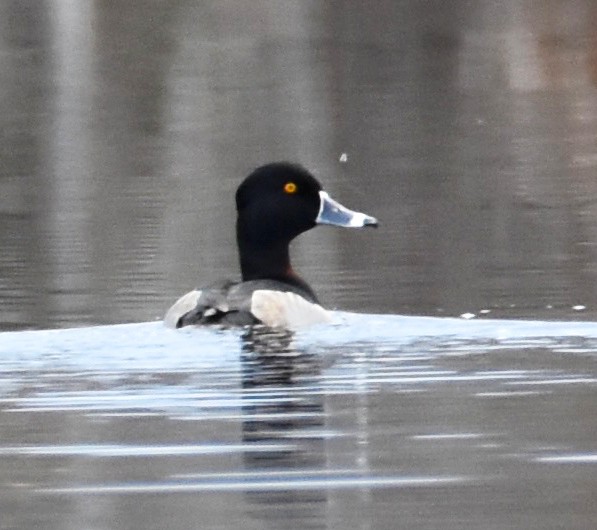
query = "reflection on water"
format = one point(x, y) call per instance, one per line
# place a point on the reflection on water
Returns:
point(456, 425)
point(292, 413)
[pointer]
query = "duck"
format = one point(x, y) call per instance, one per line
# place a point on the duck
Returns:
point(275, 203)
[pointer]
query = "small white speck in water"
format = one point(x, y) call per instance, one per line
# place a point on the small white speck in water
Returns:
point(579, 307)
point(468, 316)
point(343, 158)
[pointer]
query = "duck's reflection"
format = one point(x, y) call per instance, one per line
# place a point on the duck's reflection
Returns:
point(283, 406)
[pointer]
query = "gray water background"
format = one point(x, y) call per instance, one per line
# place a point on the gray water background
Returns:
point(470, 131)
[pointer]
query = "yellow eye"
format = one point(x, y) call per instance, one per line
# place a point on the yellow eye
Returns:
point(290, 187)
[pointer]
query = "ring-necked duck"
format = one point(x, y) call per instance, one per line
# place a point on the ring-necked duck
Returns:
point(275, 203)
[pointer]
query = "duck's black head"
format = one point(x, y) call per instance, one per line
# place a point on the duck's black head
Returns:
point(276, 203)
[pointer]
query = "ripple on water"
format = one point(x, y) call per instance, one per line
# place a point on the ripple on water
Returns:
point(370, 403)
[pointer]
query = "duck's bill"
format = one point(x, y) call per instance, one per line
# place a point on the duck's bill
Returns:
point(333, 213)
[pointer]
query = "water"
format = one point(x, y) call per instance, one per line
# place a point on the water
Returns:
point(373, 421)
point(468, 129)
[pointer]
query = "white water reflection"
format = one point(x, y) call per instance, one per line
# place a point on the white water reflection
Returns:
point(569, 459)
point(269, 483)
point(321, 418)
point(128, 451)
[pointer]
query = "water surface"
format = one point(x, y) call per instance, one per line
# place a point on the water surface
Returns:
point(378, 421)
point(468, 130)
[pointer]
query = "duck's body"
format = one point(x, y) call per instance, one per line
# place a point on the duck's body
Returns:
point(275, 303)
point(275, 203)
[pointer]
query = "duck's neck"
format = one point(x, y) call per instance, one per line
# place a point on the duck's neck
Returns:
point(257, 263)
point(270, 263)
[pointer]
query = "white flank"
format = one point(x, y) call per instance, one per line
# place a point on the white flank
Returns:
point(286, 310)
point(183, 305)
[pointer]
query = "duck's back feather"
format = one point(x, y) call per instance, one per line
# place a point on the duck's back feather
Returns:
point(271, 302)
